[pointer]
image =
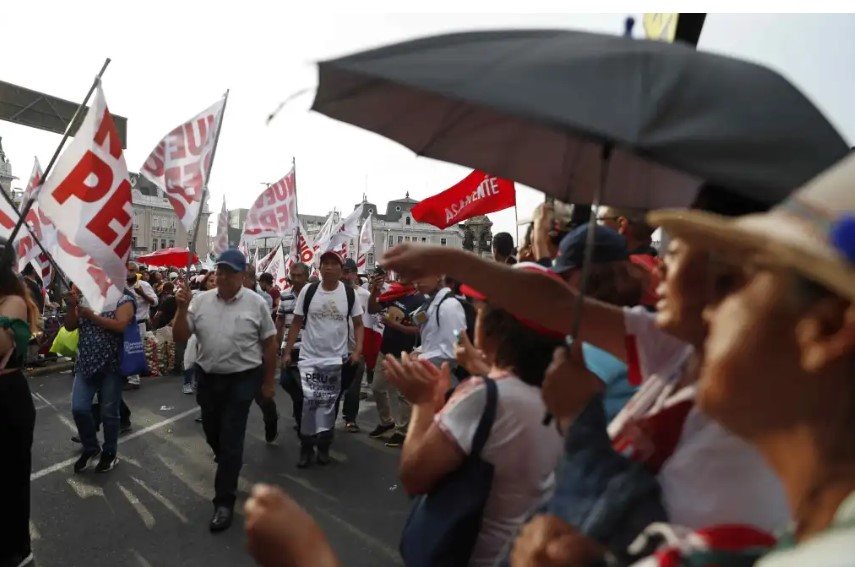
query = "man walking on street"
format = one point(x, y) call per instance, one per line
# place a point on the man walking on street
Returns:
point(326, 366)
point(298, 277)
point(236, 357)
point(145, 298)
point(266, 405)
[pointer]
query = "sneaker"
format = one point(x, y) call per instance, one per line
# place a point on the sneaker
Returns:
point(271, 430)
point(381, 430)
point(396, 440)
point(75, 439)
point(84, 459)
point(187, 389)
point(306, 453)
point(351, 427)
point(323, 456)
point(107, 463)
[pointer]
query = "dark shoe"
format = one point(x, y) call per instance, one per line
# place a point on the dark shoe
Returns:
point(75, 439)
point(222, 519)
point(323, 456)
point(84, 459)
point(381, 430)
point(271, 430)
point(125, 428)
point(351, 427)
point(306, 453)
point(198, 420)
point(107, 463)
point(396, 440)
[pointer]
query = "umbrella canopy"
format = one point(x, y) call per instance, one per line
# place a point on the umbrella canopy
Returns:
point(544, 108)
point(168, 257)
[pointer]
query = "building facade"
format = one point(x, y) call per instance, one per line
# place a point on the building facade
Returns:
point(6, 177)
point(156, 226)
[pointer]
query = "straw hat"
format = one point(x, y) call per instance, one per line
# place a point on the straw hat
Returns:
point(811, 233)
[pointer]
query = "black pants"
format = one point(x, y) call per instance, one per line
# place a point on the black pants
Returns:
point(124, 414)
point(17, 422)
point(267, 407)
point(225, 400)
point(352, 390)
point(292, 383)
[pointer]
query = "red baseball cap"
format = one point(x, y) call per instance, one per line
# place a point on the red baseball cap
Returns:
point(529, 267)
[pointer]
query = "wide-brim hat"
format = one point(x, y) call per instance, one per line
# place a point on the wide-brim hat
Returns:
point(812, 233)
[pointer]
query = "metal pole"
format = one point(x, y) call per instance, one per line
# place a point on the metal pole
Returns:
point(53, 158)
point(205, 188)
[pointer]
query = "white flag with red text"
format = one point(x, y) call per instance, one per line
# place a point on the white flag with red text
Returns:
point(39, 225)
point(88, 198)
point(264, 262)
point(179, 164)
point(274, 212)
point(366, 241)
point(278, 267)
point(302, 247)
point(222, 241)
point(322, 239)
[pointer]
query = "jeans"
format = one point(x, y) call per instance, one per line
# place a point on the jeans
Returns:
point(189, 375)
point(384, 392)
point(124, 414)
point(108, 385)
point(17, 422)
point(225, 400)
point(351, 393)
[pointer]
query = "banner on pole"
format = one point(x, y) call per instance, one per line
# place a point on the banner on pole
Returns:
point(88, 198)
point(178, 165)
point(366, 241)
point(222, 241)
point(476, 194)
point(274, 212)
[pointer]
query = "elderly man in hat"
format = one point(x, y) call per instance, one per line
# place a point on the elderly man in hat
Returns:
point(236, 357)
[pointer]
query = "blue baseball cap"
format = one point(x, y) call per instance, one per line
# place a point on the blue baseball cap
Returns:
point(609, 246)
point(234, 259)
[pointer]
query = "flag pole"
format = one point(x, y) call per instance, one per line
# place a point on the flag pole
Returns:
point(49, 256)
point(205, 188)
point(28, 205)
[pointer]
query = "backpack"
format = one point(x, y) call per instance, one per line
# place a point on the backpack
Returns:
point(310, 293)
point(468, 311)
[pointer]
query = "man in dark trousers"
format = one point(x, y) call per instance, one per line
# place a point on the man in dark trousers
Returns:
point(236, 358)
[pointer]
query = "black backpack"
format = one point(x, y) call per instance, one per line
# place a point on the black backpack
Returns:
point(310, 293)
point(468, 311)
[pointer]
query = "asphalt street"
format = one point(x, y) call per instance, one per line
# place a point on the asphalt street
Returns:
point(154, 508)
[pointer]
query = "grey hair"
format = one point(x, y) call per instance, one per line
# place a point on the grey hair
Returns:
point(300, 266)
point(134, 264)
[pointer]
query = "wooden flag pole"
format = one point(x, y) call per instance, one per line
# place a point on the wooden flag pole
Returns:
point(205, 187)
point(28, 205)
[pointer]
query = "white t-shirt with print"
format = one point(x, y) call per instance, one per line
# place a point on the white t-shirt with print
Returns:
point(438, 339)
point(699, 473)
point(326, 329)
point(523, 451)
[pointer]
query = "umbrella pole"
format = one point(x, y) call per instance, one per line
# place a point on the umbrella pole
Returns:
point(586, 261)
point(192, 250)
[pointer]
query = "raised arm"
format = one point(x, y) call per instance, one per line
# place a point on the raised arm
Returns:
point(528, 294)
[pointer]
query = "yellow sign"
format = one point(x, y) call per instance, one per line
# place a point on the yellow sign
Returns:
point(661, 27)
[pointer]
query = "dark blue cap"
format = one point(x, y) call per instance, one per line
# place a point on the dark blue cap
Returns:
point(234, 259)
point(609, 246)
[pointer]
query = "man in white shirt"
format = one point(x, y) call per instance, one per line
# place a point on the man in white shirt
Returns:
point(442, 316)
point(145, 298)
point(325, 309)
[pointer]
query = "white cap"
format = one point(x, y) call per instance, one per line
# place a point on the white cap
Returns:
point(173, 275)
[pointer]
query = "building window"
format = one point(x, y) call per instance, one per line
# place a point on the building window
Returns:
point(369, 259)
point(155, 222)
point(370, 211)
point(398, 208)
point(407, 221)
point(406, 239)
point(424, 239)
point(163, 243)
point(443, 241)
point(171, 243)
point(400, 239)
point(391, 241)
point(134, 242)
point(154, 244)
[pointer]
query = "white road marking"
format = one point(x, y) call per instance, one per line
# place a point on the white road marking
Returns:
point(61, 465)
point(144, 514)
point(162, 499)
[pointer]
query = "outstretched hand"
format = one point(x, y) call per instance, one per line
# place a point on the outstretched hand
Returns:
point(415, 261)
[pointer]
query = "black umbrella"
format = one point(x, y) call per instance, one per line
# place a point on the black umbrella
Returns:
point(545, 107)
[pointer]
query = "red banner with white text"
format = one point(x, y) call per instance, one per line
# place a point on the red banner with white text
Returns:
point(476, 194)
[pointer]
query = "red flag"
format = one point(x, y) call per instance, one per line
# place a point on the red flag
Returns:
point(477, 194)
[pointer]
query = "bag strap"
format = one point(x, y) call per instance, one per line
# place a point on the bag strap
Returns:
point(351, 298)
point(487, 418)
point(310, 293)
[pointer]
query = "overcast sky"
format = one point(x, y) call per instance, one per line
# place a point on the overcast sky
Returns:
point(166, 70)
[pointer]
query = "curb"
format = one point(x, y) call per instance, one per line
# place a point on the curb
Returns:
point(49, 369)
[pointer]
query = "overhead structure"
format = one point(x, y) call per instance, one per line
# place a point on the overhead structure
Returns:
point(31, 108)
